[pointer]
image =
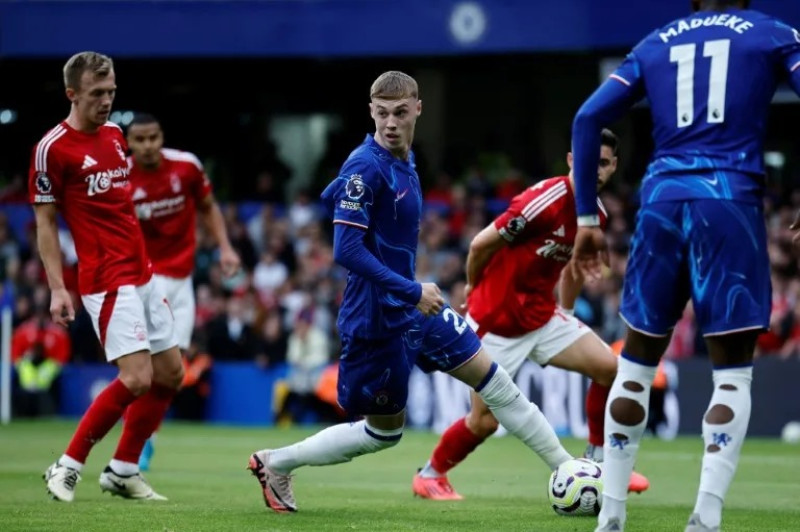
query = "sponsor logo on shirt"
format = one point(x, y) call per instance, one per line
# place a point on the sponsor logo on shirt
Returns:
point(350, 205)
point(554, 250)
point(102, 182)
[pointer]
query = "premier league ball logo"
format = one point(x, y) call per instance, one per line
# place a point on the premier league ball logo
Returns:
point(355, 187)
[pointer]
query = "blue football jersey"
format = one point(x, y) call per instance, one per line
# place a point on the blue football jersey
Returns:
point(381, 195)
point(709, 79)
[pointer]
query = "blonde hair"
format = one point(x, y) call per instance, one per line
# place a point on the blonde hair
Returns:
point(394, 85)
point(98, 64)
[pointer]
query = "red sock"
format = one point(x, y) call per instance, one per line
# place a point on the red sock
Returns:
point(596, 399)
point(455, 444)
point(142, 418)
point(102, 414)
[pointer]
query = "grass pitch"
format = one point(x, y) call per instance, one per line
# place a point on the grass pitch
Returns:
point(201, 468)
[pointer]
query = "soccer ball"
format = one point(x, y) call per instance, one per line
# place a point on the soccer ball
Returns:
point(791, 432)
point(576, 488)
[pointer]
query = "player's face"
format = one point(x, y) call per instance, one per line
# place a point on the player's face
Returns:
point(394, 123)
point(145, 142)
point(94, 97)
point(606, 167)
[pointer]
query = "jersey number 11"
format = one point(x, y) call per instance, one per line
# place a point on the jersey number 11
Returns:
point(684, 55)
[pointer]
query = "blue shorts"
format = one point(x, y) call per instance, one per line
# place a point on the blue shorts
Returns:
point(712, 250)
point(373, 373)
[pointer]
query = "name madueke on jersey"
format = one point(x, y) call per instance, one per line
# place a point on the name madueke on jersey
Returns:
point(103, 181)
point(737, 24)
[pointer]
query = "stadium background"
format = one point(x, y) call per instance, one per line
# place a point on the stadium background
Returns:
point(272, 96)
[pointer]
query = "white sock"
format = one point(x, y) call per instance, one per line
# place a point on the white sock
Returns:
point(333, 445)
point(520, 417)
point(68, 461)
point(631, 387)
point(429, 472)
point(723, 441)
point(123, 469)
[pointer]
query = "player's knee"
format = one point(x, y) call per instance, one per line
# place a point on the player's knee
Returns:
point(628, 412)
point(137, 381)
point(605, 370)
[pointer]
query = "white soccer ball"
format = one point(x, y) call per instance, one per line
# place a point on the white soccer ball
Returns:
point(791, 432)
point(576, 488)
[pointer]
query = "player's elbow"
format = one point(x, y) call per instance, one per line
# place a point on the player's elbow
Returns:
point(342, 255)
point(587, 117)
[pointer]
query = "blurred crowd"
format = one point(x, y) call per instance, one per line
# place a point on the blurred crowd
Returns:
point(282, 306)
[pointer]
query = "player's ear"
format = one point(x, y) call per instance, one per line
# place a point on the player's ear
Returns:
point(419, 107)
point(70, 94)
point(371, 110)
point(569, 159)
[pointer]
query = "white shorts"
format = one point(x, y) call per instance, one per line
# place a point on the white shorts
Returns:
point(131, 318)
point(540, 345)
point(180, 294)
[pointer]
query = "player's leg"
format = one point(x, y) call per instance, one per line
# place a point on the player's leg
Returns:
point(451, 345)
point(448, 346)
point(378, 390)
point(567, 343)
point(654, 295)
point(732, 310)
point(180, 295)
point(122, 476)
point(109, 312)
point(456, 443)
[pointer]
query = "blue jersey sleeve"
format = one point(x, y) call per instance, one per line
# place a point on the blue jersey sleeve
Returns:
point(350, 252)
point(787, 47)
point(608, 103)
point(351, 196)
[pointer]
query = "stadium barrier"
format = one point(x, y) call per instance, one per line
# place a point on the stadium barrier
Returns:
point(242, 394)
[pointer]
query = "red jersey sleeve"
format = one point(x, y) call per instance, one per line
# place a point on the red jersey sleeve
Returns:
point(46, 175)
point(201, 185)
point(531, 212)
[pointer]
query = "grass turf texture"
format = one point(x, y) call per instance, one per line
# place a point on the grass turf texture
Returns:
point(201, 469)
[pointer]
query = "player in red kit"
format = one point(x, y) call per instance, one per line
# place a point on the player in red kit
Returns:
point(513, 267)
point(169, 188)
point(79, 169)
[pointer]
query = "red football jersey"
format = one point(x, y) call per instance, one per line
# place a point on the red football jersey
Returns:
point(166, 202)
point(515, 293)
point(86, 175)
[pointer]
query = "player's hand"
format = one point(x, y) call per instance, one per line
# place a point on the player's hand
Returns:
point(590, 253)
point(230, 262)
point(467, 292)
point(61, 309)
point(431, 300)
point(796, 228)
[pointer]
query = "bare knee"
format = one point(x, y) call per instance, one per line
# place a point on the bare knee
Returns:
point(604, 370)
point(168, 368)
point(136, 378)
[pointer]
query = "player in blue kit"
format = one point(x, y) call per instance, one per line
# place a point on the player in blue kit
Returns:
point(389, 322)
point(700, 232)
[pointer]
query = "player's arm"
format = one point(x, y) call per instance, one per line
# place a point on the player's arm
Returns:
point(569, 288)
point(350, 199)
point(49, 247)
point(481, 250)
point(215, 223)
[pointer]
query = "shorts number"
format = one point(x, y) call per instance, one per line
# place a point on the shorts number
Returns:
point(459, 323)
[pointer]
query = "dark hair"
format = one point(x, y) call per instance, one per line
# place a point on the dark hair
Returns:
point(698, 5)
point(143, 118)
point(608, 138)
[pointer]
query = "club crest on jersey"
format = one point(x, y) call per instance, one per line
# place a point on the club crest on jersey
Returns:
point(175, 183)
point(43, 183)
point(355, 187)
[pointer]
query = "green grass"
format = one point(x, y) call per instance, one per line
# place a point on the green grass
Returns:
point(202, 470)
